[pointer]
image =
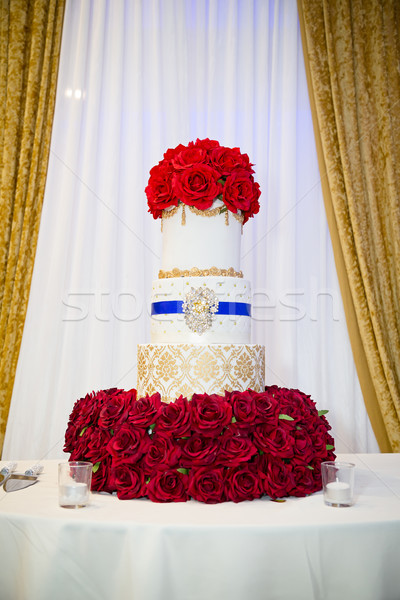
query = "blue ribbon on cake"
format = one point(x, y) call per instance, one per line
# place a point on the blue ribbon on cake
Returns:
point(172, 307)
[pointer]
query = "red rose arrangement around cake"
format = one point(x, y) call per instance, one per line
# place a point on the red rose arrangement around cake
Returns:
point(201, 424)
point(211, 448)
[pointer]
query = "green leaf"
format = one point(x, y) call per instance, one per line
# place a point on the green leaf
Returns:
point(152, 426)
point(222, 209)
point(183, 471)
point(322, 412)
point(96, 467)
point(83, 431)
point(147, 480)
point(329, 447)
point(221, 181)
point(278, 500)
point(285, 418)
point(233, 420)
point(310, 467)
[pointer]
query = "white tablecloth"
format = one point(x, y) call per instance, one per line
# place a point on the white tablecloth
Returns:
point(296, 550)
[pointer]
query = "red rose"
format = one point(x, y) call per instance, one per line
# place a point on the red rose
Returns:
point(243, 408)
point(319, 440)
point(97, 445)
point(226, 160)
point(206, 144)
point(235, 450)
point(238, 191)
point(207, 485)
point(242, 193)
point(80, 446)
point(101, 477)
point(330, 441)
point(171, 152)
point(273, 440)
point(162, 452)
point(84, 412)
point(144, 411)
point(242, 483)
point(197, 186)
point(292, 409)
point(128, 441)
point(277, 477)
point(127, 478)
point(198, 450)
point(267, 408)
point(302, 446)
point(159, 190)
point(316, 474)
point(210, 414)
point(174, 418)
point(304, 483)
point(189, 157)
point(87, 409)
point(254, 203)
point(304, 399)
point(71, 437)
point(168, 486)
point(115, 410)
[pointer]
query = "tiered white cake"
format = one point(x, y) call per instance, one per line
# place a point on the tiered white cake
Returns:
point(201, 310)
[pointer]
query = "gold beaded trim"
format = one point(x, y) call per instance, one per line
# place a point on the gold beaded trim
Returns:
point(195, 272)
point(211, 212)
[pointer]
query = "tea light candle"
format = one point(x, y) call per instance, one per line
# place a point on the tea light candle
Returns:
point(338, 492)
point(74, 494)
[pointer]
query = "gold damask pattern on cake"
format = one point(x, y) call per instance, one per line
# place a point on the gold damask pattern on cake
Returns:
point(193, 368)
point(206, 367)
point(243, 367)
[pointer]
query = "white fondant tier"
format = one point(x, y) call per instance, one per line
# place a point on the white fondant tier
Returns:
point(175, 369)
point(225, 328)
point(203, 241)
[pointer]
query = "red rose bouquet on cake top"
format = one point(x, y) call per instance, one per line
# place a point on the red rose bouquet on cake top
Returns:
point(211, 448)
point(198, 174)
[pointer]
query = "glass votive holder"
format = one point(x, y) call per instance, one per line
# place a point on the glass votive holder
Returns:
point(338, 483)
point(74, 481)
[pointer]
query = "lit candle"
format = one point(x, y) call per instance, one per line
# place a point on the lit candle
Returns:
point(338, 492)
point(76, 494)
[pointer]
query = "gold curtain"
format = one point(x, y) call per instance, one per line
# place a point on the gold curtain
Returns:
point(352, 57)
point(30, 39)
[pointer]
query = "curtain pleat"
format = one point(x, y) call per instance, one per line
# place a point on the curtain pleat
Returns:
point(352, 53)
point(29, 55)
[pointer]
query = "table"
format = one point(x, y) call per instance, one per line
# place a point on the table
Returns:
point(299, 549)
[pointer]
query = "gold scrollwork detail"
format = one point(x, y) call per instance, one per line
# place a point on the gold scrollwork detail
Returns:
point(196, 272)
point(210, 212)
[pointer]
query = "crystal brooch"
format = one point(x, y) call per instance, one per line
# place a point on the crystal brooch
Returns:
point(199, 307)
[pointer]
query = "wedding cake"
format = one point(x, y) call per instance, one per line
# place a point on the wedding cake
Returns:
point(201, 425)
point(200, 303)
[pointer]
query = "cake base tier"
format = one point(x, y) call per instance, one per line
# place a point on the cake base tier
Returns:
point(175, 369)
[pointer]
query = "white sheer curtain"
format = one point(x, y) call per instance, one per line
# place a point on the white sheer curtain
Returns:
point(138, 77)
